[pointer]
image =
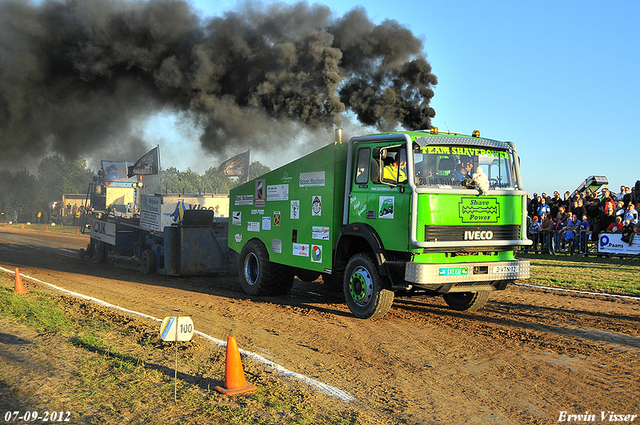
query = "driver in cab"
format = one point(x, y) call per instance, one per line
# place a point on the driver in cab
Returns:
point(464, 168)
point(395, 172)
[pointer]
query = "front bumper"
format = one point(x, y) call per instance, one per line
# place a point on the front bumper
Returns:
point(438, 274)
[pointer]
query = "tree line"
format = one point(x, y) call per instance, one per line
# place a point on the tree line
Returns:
point(29, 194)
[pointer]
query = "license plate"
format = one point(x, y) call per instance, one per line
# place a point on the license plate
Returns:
point(453, 271)
point(506, 269)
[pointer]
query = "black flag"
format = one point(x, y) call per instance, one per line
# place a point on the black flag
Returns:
point(146, 165)
point(236, 166)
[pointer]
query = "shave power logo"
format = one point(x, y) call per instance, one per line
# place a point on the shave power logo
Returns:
point(473, 210)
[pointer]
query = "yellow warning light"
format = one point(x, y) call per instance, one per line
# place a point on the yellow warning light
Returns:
point(434, 130)
point(476, 133)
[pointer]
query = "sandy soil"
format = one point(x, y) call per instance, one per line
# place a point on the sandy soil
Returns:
point(528, 356)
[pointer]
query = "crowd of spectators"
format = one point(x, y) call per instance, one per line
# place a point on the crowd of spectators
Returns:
point(570, 221)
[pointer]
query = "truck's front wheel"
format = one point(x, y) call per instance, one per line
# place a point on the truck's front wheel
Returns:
point(363, 289)
point(466, 301)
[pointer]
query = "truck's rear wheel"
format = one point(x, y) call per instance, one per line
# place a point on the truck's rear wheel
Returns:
point(284, 280)
point(363, 289)
point(99, 251)
point(307, 275)
point(148, 262)
point(259, 276)
point(466, 301)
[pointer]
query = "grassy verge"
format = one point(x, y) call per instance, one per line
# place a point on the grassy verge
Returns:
point(66, 355)
point(58, 228)
point(611, 275)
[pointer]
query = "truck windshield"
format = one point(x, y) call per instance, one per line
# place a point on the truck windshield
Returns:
point(450, 166)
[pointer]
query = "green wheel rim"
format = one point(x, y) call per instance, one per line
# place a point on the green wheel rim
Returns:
point(361, 286)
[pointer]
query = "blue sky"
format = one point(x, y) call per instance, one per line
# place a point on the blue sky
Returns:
point(560, 79)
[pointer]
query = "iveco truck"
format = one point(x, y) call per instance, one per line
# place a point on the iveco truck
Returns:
point(411, 213)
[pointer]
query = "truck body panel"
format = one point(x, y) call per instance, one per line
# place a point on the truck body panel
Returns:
point(296, 210)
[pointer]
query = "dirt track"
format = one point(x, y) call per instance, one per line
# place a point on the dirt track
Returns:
point(525, 358)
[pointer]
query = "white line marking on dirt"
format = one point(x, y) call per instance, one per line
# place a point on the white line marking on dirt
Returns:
point(327, 389)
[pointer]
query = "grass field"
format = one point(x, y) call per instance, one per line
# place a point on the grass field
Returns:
point(597, 274)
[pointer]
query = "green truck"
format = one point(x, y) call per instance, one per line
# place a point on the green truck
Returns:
point(429, 230)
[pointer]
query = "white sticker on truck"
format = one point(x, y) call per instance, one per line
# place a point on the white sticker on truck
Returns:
point(506, 269)
point(236, 218)
point(300, 250)
point(320, 232)
point(312, 179)
point(278, 192)
point(276, 246)
point(316, 253)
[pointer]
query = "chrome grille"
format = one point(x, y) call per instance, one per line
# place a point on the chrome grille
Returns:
point(457, 233)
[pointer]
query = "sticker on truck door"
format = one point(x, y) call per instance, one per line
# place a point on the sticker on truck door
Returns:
point(386, 206)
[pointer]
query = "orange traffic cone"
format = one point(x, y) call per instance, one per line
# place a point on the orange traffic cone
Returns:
point(77, 231)
point(22, 226)
point(46, 228)
point(234, 381)
point(19, 287)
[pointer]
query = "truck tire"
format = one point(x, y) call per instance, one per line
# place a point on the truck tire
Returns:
point(99, 249)
point(258, 276)
point(466, 301)
point(284, 280)
point(148, 262)
point(363, 288)
point(307, 275)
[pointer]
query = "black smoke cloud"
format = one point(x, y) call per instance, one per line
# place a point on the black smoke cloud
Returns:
point(78, 76)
